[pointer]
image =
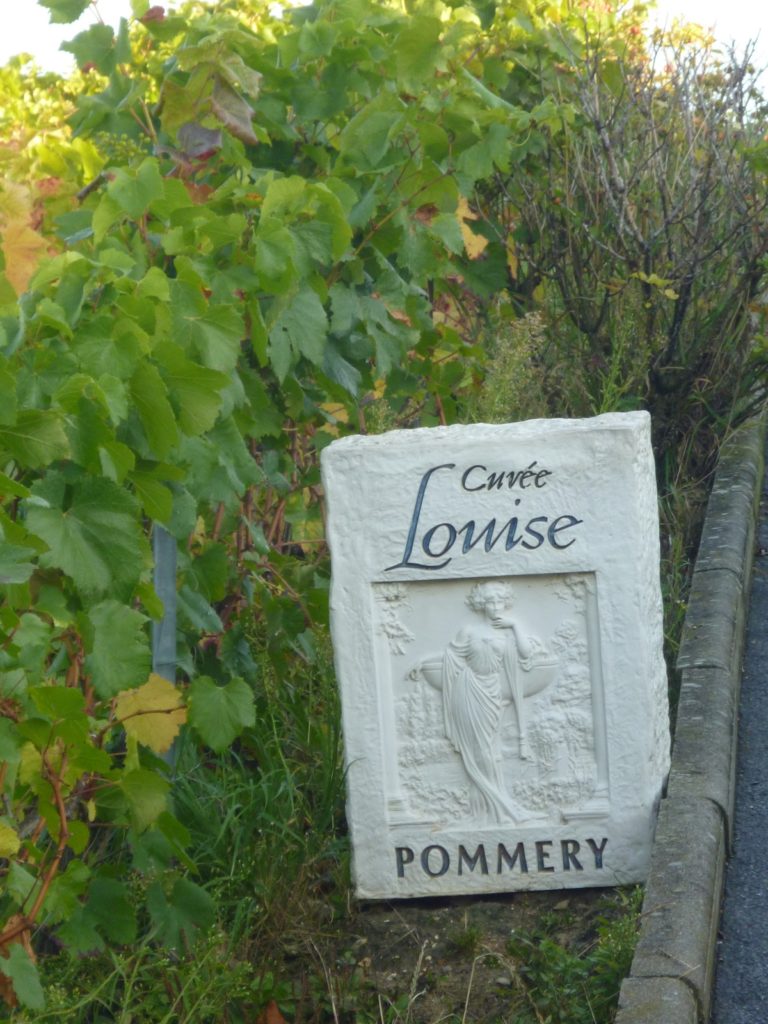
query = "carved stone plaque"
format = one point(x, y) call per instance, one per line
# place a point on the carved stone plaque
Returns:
point(496, 617)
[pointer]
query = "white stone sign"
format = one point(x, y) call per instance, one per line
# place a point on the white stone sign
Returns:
point(496, 618)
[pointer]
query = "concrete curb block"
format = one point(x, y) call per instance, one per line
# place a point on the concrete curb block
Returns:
point(681, 909)
point(672, 971)
point(660, 999)
point(707, 716)
point(714, 623)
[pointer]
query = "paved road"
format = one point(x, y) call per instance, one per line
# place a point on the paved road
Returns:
point(741, 986)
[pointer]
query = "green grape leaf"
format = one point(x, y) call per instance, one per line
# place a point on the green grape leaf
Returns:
point(8, 402)
point(107, 213)
point(116, 460)
point(36, 440)
point(389, 348)
point(478, 161)
point(14, 567)
point(195, 389)
point(147, 796)
point(300, 329)
point(220, 713)
point(213, 332)
point(106, 346)
point(62, 12)
point(147, 594)
point(95, 46)
point(211, 571)
point(447, 227)
point(369, 136)
point(341, 370)
point(87, 758)
point(10, 742)
point(133, 192)
point(274, 255)
point(109, 909)
point(284, 197)
point(267, 420)
point(181, 913)
point(57, 701)
point(345, 309)
point(417, 49)
point(177, 837)
point(198, 612)
point(96, 541)
point(156, 499)
point(154, 285)
point(281, 355)
point(12, 488)
point(119, 657)
point(18, 966)
point(66, 889)
point(20, 883)
point(79, 935)
point(150, 397)
point(79, 833)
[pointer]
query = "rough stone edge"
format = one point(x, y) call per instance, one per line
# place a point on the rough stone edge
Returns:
point(652, 992)
point(681, 909)
point(657, 999)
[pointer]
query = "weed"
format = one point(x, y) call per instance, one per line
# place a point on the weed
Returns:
point(465, 940)
point(565, 986)
point(207, 984)
point(513, 385)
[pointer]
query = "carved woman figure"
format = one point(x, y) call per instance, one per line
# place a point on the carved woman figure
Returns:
point(478, 674)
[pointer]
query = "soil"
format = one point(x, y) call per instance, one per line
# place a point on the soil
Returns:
point(450, 960)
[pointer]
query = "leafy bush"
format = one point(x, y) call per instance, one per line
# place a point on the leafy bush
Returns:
point(644, 232)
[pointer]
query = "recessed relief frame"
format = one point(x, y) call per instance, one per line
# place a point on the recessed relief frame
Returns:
point(492, 704)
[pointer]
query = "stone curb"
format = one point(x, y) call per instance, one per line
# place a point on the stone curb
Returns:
point(672, 971)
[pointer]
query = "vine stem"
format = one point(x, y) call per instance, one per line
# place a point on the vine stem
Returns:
point(294, 594)
point(440, 410)
point(25, 922)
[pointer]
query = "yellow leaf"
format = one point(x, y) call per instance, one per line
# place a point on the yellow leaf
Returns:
point(30, 765)
point(15, 202)
point(22, 248)
point(338, 414)
point(512, 261)
point(9, 841)
point(152, 713)
point(198, 534)
point(474, 245)
point(337, 410)
point(21, 245)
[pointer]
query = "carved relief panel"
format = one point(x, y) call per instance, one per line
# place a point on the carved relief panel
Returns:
point(497, 697)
